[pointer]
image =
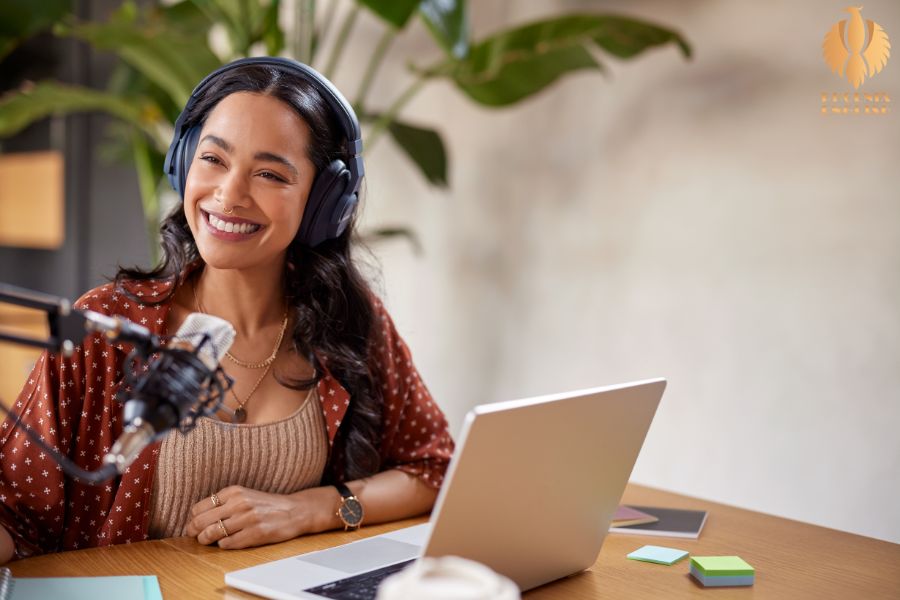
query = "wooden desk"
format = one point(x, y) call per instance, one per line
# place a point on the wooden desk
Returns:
point(792, 560)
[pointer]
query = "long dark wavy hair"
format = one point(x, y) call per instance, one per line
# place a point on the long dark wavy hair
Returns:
point(330, 299)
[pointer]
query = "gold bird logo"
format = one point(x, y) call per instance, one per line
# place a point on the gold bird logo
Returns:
point(860, 48)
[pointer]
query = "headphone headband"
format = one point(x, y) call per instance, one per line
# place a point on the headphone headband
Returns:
point(332, 96)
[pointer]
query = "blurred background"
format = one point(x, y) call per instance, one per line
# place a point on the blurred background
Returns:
point(691, 215)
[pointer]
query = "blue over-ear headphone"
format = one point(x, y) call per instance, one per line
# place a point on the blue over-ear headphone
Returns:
point(335, 190)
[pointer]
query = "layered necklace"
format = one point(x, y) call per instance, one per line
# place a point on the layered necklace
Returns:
point(240, 413)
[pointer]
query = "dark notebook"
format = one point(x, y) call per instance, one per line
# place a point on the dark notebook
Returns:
point(673, 522)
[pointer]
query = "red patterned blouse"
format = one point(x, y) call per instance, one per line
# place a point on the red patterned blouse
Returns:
point(71, 403)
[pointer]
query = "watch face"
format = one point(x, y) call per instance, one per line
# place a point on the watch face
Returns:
point(351, 512)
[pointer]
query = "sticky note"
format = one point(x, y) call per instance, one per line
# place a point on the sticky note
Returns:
point(721, 580)
point(658, 554)
point(719, 566)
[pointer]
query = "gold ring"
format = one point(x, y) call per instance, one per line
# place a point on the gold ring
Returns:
point(228, 212)
point(215, 500)
point(223, 528)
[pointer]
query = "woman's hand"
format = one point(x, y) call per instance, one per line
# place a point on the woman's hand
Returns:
point(253, 518)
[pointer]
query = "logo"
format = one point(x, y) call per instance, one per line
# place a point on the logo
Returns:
point(856, 49)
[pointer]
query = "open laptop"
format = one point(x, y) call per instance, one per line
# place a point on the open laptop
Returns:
point(530, 492)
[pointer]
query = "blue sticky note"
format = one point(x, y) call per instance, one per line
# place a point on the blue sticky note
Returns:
point(88, 588)
point(658, 554)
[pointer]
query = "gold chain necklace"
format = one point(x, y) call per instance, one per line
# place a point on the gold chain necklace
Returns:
point(240, 413)
point(236, 360)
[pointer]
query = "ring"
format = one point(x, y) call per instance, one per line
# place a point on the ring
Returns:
point(223, 528)
point(215, 500)
point(229, 211)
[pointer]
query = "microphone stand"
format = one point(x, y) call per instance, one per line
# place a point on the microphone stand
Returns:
point(66, 326)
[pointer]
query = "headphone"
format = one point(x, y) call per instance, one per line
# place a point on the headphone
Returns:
point(335, 191)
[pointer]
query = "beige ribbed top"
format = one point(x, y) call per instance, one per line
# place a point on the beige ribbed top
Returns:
point(281, 457)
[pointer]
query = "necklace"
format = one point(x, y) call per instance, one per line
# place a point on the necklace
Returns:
point(240, 413)
point(268, 362)
point(245, 364)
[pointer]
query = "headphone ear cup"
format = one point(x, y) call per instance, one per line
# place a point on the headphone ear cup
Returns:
point(179, 158)
point(187, 150)
point(330, 205)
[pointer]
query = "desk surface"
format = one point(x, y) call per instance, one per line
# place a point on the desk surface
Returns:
point(792, 560)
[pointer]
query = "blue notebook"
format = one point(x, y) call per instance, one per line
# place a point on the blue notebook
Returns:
point(129, 587)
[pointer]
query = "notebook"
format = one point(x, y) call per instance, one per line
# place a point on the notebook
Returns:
point(530, 492)
point(673, 522)
point(131, 587)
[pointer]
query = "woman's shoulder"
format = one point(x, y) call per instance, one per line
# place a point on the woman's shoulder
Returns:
point(125, 297)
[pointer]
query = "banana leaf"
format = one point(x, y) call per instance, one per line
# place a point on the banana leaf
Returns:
point(35, 101)
point(172, 59)
point(515, 64)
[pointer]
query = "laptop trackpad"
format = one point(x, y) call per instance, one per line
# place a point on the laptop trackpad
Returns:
point(364, 555)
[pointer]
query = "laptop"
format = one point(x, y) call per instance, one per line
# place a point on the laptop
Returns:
point(530, 492)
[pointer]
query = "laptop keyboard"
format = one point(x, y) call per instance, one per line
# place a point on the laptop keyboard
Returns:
point(358, 587)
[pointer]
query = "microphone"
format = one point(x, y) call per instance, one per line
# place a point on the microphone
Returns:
point(185, 382)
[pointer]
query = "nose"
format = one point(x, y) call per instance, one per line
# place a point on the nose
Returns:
point(232, 192)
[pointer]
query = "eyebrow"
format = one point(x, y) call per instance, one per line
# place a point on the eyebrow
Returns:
point(266, 156)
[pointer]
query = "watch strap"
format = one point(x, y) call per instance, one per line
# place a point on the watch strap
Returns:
point(344, 491)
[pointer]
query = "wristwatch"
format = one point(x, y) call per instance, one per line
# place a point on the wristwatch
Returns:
point(350, 512)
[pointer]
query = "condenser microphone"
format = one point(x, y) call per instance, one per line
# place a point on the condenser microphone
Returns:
point(183, 383)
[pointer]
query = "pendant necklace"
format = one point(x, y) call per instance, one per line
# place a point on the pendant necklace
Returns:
point(240, 413)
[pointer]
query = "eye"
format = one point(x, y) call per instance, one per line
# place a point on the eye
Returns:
point(211, 159)
point(272, 176)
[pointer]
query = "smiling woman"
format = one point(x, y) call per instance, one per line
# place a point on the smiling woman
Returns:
point(328, 423)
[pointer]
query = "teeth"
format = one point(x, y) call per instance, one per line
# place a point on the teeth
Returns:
point(231, 227)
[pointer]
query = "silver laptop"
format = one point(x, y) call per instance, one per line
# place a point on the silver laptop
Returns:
point(530, 492)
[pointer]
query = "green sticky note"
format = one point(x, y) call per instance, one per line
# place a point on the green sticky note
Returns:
point(721, 566)
point(658, 554)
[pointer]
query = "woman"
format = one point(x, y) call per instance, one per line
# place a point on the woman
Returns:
point(327, 424)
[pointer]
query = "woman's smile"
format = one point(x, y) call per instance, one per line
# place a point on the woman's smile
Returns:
point(232, 229)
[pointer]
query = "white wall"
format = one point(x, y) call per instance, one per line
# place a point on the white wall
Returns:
point(696, 220)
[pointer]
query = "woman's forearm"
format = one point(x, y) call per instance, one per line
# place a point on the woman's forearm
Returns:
point(239, 517)
point(7, 546)
point(386, 496)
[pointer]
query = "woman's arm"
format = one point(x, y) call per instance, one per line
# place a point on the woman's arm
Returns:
point(253, 518)
point(7, 546)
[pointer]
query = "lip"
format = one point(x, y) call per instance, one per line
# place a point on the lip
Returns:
point(224, 235)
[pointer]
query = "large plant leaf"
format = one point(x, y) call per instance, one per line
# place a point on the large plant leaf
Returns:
point(625, 37)
point(448, 22)
point(172, 59)
point(37, 101)
point(395, 12)
point(520, 62)
point(21, 19)
point(426, 149)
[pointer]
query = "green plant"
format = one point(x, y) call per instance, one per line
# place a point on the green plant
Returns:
point(164, 52)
